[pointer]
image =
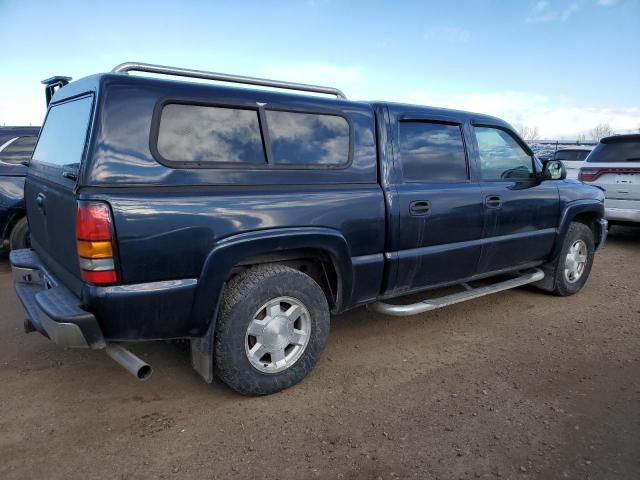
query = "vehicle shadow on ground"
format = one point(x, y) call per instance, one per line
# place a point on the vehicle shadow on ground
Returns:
point(627, 235)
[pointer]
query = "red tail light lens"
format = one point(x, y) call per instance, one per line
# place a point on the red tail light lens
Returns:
point(93, 221)
point(94, 235)
point(592, 174)
point(588, 174)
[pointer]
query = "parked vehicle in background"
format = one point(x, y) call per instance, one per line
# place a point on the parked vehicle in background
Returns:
point(572, 159)
point(16, 147)
point(240, 219)
point(614, 165)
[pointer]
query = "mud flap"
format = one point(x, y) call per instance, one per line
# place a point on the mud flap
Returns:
point(202, 355)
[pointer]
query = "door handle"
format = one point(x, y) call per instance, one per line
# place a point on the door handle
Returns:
point(419, 208)
point(40, 201)
point(493, 201)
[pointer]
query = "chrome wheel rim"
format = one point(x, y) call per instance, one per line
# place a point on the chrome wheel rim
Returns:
point(278, 334)
point(576, 261)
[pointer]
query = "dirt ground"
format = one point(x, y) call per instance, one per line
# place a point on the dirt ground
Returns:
point(517, 385)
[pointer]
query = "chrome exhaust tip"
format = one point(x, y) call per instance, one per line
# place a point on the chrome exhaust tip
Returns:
point(130, 362)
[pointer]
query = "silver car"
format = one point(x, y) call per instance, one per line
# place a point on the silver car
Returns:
point(614, 164)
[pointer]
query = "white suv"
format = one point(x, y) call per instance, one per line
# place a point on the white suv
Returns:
point(615, 166)
point(572, 158)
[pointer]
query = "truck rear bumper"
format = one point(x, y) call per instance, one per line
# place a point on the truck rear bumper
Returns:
point(52, 308)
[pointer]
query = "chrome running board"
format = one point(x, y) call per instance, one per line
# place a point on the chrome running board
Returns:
point(470, 293)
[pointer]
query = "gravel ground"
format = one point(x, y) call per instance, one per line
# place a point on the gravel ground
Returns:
point(516, 385)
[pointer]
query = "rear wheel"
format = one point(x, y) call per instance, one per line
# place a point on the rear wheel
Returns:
point(273, 325)
point(576, 258)
point(19, 237)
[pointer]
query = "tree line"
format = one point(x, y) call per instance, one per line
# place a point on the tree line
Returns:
point(601, 130)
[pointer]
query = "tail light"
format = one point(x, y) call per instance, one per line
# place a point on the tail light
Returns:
point(95, 242)
point(592, 174)
point(588, 174)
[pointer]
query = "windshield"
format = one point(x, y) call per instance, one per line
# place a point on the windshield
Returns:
point(17, 150)
point(64, 134)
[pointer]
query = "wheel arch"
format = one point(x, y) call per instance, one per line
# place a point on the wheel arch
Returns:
point(587, 212)
point(325, 246)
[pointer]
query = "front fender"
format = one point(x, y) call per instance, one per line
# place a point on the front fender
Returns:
point(571, 211)
point(230, 251)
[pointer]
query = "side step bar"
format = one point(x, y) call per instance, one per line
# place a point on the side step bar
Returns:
point(531, 276)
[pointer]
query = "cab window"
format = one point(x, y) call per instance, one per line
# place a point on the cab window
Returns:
point(501, 156)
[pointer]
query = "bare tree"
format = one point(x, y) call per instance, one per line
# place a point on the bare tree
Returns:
point(528, 133)
point(600, 131)
point(582, 138)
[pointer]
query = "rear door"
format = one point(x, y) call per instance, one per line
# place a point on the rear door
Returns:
point(438, 239)
point(50, 188)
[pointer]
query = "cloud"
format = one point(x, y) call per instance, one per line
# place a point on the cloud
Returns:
point(555, 117)
point(542, 12)
point(447, 33)
point(540, 6)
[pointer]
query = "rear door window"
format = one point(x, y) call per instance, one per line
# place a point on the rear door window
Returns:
point(308, 139)
point(194, 135)
point(64, 134)
point(571, 155)
point(432, 152)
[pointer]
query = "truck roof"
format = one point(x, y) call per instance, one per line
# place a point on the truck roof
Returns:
point(94, 83)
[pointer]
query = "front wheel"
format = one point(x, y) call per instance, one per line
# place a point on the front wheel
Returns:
point(575, 260)
point(273, 325)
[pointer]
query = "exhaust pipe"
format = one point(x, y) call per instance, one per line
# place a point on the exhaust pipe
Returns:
point(131, 363)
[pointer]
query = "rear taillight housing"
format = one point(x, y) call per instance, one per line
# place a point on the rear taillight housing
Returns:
point(588, 174)
point(95, 243)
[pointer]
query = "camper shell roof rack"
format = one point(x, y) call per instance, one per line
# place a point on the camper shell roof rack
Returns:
point(224, 77)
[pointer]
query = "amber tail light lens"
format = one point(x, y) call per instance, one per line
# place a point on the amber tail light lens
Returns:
point(95, 241)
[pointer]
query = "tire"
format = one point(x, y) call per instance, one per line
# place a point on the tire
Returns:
point(261, 297)
point(578, 234)
point(19, 237)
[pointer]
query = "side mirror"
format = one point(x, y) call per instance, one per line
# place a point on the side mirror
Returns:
point(553, 170)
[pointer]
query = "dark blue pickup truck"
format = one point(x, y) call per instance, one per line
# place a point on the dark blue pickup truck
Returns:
point(241, 219)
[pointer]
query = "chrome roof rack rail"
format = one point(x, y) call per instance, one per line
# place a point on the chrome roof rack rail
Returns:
point(223, 77)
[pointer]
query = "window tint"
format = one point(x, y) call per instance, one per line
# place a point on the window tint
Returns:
point(628, 151)
point(501, 157)
point(64, 133)
point(308, 138)
point(571, 155)
point(432, 152)
point(19, 150)
point(202, 134)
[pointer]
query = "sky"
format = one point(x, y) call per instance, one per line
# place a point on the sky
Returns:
point(561, 66)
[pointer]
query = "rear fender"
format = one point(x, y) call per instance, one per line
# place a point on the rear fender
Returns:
point(231, 251)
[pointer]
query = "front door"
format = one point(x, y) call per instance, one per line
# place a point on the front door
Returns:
point(521, 211)
point(440, 208)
